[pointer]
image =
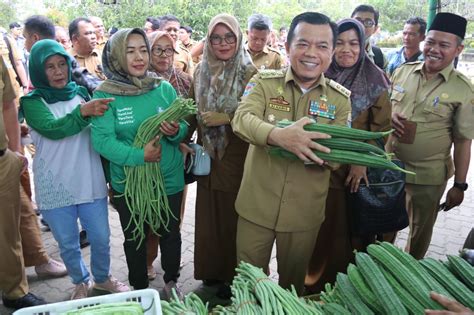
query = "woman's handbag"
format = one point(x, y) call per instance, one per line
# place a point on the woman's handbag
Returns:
point(199, 163)
point(380, 207)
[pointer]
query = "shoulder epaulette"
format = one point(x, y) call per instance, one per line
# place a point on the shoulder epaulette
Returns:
point(465, 79)
point(412, 63)
point(339, 88)
point(271, 73)
point(276, 51)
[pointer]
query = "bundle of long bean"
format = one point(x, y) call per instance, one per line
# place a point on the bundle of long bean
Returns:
point(272, 298)
point(144, 185)
point(191, 304)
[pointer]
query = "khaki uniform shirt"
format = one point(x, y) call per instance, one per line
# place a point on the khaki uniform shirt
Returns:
point(7, 93)
point(184, 61)
point(16, 56)
point(442, 108)
point(93, 62)
point(100, 46)
point(189, 46)
point(268, 58)
point(275, 192)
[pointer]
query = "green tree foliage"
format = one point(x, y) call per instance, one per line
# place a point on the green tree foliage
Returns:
point(197, 13)
point(7, 12)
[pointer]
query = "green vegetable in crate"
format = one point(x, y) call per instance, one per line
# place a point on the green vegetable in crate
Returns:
point(379, 285)
point(412, 305)
point(463, 270)
point(405, 277)
point(345, 157)
point(362, 289)
point(457, 289)
point(144, 185)
point(337, 131)
point(121, 308)
point(349, 295)
point(415, 267)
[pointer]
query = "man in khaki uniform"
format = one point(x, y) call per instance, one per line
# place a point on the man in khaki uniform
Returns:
point(258, 33)
point(84, 42)
point(21, 80)
point(432, 110)
point(185, 40)
point(99, 32)
point(13, 281)
point(183, 60)
point(280, 199)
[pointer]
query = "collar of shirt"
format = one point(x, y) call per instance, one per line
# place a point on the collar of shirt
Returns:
point(264, 51)
point(368, 49)
point(445, 73)
point(94, 52)
point(291, 77)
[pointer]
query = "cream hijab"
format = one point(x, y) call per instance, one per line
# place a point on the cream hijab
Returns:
point(114, 63)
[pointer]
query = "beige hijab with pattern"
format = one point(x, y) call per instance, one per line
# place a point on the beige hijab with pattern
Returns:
point(220, 84)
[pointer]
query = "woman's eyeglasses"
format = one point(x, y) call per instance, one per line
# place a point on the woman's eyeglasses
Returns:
point(229, 38)
point(168, 52)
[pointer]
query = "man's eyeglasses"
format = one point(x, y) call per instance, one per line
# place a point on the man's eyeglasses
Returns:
point(367, 22)
point(168, 52)
point(229, 38)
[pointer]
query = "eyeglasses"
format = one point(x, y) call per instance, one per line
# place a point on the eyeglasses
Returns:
point(229, 38)
point(367, 22)
point(158, 52)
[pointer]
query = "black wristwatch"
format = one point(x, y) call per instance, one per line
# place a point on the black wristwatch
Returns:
point(462, 186)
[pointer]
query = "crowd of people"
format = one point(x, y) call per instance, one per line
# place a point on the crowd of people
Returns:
point(83, 94)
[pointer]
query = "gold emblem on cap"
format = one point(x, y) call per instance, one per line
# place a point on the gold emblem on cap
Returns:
point(444, 95)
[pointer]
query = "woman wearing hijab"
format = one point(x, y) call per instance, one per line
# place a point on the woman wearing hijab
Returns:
point(69, 180)
point(219, 83)
point(371, 110)
point(162, 58)
point(137, 96)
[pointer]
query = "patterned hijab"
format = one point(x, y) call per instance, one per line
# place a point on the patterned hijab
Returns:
point(220, 84)
point(114, 62)
point(40, 52)
point(364, 79)
point(180, 80)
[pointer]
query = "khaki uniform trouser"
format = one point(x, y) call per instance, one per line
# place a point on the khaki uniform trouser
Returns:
point(12, 271)
point(34, 253)
point(422, 203)
point(294, 249)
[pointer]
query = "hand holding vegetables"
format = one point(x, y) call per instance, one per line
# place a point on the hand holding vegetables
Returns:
point(153, 150)
point(295, 139)
point(169, 128)
point(95, 107)
point(453, 307)
point(355, 176)
point(214, 119)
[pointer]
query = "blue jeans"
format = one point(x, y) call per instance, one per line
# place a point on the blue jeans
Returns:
point(94, 219)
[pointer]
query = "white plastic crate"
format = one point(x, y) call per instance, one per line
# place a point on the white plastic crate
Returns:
point(148, 298)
